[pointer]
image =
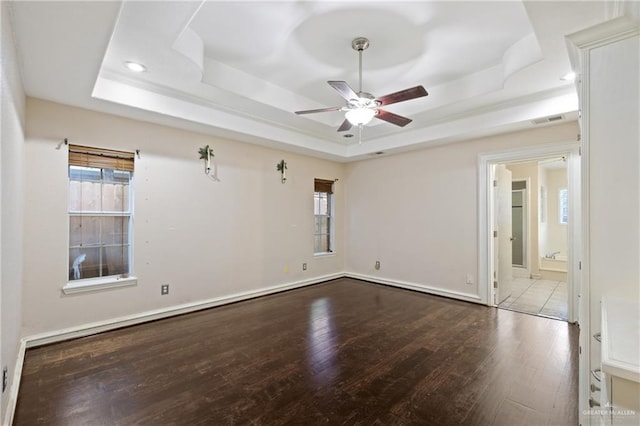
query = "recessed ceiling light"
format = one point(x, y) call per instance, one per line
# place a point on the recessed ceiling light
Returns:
point(135, 66)
point(569, 77)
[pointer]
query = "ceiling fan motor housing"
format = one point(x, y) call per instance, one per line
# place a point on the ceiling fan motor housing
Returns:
point(359, 44)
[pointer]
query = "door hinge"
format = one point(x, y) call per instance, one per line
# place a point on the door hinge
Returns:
point(580, 265)
point(580, 151)
point(495, 284)
point(495, 183)
point(494, 275)
point(495, 234)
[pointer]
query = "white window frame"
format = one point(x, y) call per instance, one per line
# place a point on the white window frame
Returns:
point(331, 216)
point(566, 198)
point(109, 281)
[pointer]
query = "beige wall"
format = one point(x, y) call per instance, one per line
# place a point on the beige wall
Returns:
point(556, 233)
point(417, 212)
point(12, 101)
point(206, 239)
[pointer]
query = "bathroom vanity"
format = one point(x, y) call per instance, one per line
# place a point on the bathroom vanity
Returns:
point(620, 362)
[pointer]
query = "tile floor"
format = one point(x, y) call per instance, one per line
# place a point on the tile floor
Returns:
point(539, 297)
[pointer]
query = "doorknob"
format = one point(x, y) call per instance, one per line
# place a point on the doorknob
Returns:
point(512, 239)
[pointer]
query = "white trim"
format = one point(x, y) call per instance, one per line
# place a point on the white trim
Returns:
point(485, 248)
point(324, 254)
point(468, 297)
point(169, 311)
point(603, 34)
point(96, 284)
point(15, 385)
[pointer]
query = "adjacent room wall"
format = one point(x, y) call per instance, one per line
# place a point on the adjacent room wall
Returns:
point(12, 100)
point(417, 212)
point(206, 239)
point(556, 232)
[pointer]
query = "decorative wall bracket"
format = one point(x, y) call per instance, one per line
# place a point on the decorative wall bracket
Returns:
point(281, 167)
point(205, 154)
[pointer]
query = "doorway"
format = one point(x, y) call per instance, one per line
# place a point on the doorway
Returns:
point(543, 233)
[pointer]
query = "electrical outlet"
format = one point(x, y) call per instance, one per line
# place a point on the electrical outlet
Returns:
point(5, 378)
point(304, 266)
point(164, 289)
point(377, 265)
point(469, 279)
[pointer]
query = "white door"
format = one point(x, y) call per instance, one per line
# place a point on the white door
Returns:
point(502, 241)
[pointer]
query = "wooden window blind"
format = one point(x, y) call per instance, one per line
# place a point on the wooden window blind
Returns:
point(100, 158)
point(322, 185)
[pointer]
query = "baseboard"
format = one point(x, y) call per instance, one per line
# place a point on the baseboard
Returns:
point(468, 297)
point(102, 326)
point(111, 324)
point(15, 385)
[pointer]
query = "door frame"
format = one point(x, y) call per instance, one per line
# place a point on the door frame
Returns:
point(570, 149)
point(502, 264)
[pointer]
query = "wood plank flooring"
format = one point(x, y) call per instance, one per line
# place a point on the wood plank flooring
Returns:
point(342, 352)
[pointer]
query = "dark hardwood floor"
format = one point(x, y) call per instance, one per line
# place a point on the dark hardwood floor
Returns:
point(342, 352)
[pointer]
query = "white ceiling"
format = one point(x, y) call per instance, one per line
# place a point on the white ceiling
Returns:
point(239, 69)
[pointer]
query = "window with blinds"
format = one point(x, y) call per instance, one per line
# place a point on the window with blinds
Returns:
point(100, 219)
point(323, 215)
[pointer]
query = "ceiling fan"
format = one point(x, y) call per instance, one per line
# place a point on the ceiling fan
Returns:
point(361, 106)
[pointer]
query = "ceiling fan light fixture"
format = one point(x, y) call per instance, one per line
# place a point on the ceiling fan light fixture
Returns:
point(360, 116)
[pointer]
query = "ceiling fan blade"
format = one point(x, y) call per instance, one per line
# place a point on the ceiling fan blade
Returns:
point(392, 118)
point(346, 125)
point(344, 89)
point(312, 111)
point(403, 95)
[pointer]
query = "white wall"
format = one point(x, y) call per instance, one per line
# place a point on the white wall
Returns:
point(12, 101)
point(610, 101)
point(556, 232)
point(206, 239)
point(614, 184)
point(417, 212)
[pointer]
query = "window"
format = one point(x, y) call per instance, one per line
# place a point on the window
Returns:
point(323, 212)
point(563, 205)
point(100, 218)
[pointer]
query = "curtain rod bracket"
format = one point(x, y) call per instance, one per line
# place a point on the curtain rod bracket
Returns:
point(64, 141)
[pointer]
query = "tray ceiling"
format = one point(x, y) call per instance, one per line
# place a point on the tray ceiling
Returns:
point(239, 69)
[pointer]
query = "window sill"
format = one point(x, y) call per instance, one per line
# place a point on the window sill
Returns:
point(95, 284)
point(325, 254)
